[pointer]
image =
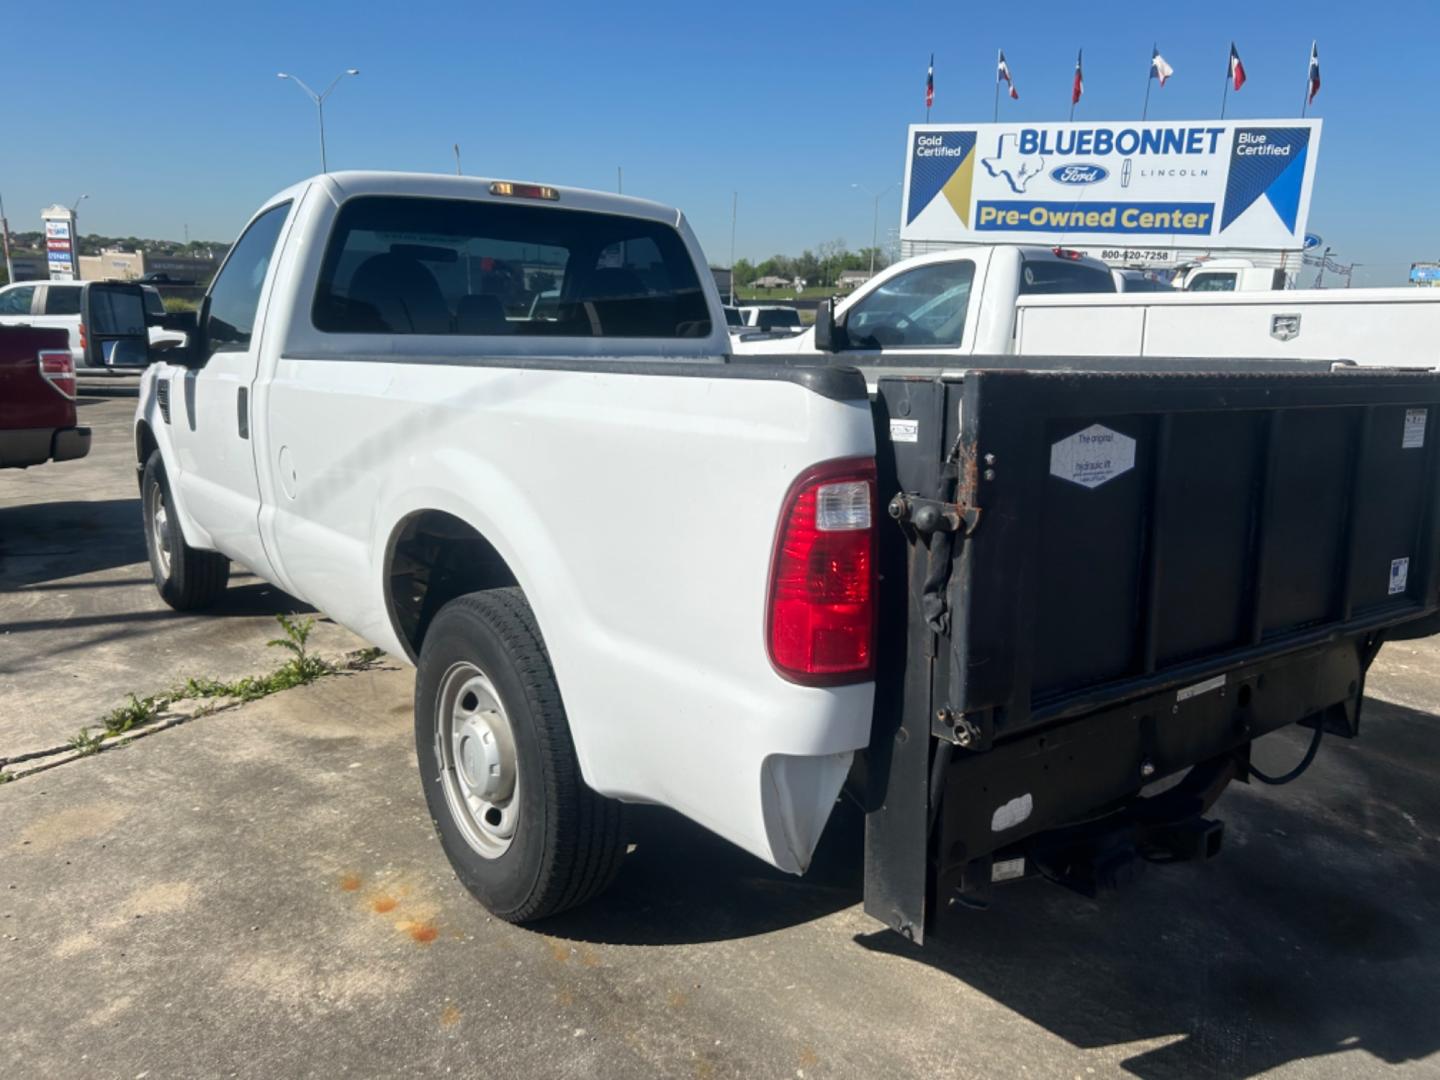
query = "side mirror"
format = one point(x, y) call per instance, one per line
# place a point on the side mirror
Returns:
point(825, 336)
point(118, 335)
point(183, 353)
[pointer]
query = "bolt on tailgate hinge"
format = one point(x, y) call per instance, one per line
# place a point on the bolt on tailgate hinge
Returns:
point(933, 515)
point(960, 729)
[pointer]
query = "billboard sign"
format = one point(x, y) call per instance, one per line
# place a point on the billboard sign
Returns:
point(60, 242)
point(1204, 183)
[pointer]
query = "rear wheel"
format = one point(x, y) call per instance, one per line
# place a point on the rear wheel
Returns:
point(186, 578)
point(523, 832)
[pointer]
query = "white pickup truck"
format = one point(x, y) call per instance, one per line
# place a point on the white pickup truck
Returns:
point(1023, 301)
point(956, 302)
point(632, 568)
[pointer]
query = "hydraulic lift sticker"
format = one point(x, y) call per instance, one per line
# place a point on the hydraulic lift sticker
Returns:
point(1399, 575)
point(904, 430)
point(1093, 456)
point(1414, 436)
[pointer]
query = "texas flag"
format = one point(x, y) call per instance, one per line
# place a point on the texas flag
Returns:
point(930, 83)
point(1314, 87)
point(1078, 87)
point(1237, 69)
point(1002, 72)
point(1159, 69)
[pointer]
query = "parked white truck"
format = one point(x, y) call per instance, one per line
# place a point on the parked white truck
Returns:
point(1023, 301)
point(1370, 327)
point(632, 568)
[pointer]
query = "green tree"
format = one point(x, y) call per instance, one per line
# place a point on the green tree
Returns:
point(744, 272)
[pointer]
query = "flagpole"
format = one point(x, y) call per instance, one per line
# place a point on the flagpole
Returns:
point(996, 117)
point(1305, 101)
point(1226, 96)
point(1149, 78)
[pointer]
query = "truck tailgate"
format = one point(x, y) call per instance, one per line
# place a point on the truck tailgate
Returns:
point(1113, 577)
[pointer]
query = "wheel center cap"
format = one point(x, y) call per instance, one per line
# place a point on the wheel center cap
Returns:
point(481, 758)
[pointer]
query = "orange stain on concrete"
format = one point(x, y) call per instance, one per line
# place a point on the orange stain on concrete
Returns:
point(450, 1016)
point(382, 903)
point(350, 882)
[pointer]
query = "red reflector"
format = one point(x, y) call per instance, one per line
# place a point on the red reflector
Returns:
point(822, 586)
point(58, 369)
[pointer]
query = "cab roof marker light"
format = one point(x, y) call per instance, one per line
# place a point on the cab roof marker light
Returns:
point(524, 191)
point(1068, 253)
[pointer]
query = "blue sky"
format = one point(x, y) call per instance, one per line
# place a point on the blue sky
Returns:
point(169, 115)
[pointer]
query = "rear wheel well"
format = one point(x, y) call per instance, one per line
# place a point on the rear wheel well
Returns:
point(432, 558)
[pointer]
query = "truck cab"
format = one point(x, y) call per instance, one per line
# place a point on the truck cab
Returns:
point(960, 302)
point(1232, 275)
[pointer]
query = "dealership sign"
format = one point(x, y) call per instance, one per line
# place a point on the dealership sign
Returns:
point(1239, 184)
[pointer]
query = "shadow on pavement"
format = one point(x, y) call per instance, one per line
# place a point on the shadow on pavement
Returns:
point(1318, 931)
point(48, 541)
point(683, 884)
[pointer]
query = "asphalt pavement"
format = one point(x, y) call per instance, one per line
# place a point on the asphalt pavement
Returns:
point(258, 892)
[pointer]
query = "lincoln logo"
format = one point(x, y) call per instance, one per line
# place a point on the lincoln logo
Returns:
point(1078, 174)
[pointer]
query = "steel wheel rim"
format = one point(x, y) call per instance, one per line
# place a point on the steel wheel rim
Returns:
point(475, 751)
point(159, 530)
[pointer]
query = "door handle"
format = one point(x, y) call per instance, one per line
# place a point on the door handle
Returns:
point(242, 411)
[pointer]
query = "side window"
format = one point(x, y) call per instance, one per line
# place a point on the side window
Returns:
point(923, 308)
point(17, 301)
point(235, 295)
point(1212, 283)
point(62, 300)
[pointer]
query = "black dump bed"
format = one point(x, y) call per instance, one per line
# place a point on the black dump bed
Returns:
point(1114, 577)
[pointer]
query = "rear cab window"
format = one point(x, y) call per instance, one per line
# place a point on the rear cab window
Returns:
point(1054, 277)
point(420, 265)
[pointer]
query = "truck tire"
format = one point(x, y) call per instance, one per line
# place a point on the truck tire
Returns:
point(186, 578)
point(523, 832)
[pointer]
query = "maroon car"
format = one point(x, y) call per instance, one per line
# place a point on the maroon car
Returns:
point(37, 399)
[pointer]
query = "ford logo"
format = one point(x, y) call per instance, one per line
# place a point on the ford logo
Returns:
point(1078, 174)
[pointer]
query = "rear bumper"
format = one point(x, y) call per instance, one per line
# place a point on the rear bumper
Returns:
point(23, 447)
point(70, 443)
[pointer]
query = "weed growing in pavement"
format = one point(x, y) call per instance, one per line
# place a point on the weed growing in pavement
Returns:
point(84, 743)
point(301, 668)
point(133, 713)
point(6, 777)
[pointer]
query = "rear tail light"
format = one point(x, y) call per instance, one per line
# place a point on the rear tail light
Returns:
point(57, 367)
point(821, 617)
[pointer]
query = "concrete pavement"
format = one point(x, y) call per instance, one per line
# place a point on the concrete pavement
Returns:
point(81, 626)
point(258, 893)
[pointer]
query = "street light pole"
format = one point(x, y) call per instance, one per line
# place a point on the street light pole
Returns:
point(734, 209)
point(875, 223)
point(319, 100)
point(5, 235)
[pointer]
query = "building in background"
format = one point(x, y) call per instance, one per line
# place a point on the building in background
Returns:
point(1135, 194)
point(129, 265)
